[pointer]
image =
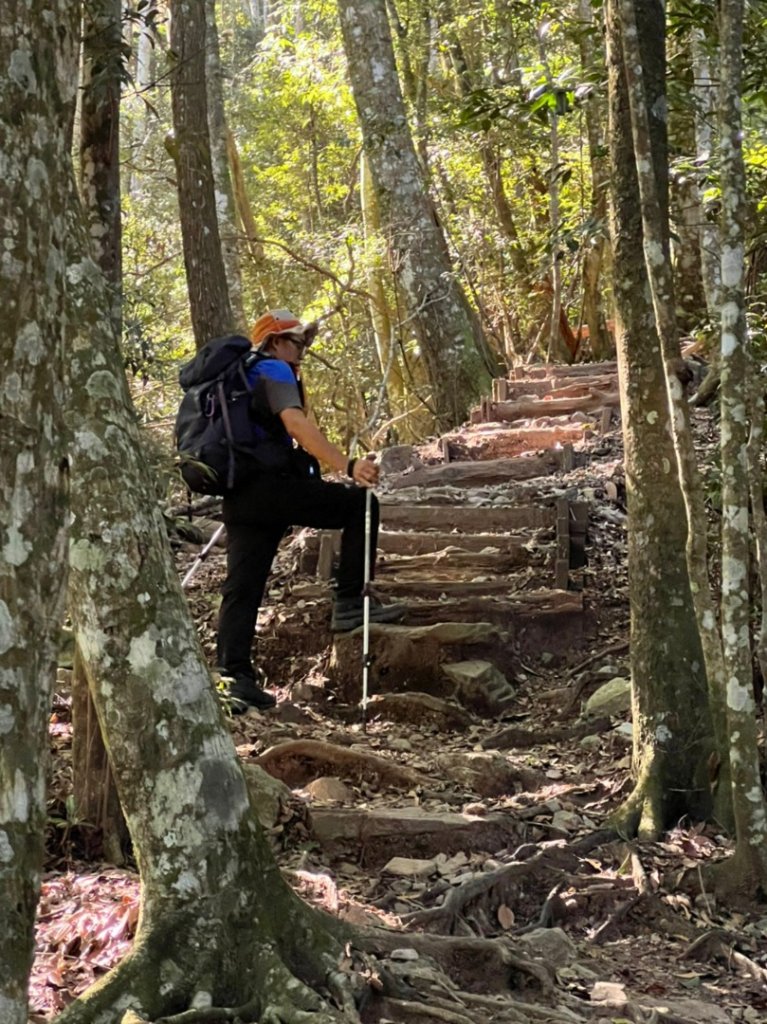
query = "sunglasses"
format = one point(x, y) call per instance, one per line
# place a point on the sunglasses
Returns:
point(298, 340)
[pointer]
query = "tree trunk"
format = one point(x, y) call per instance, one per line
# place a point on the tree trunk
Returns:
point(750, 867)
point(672, 724)
point(217, 925)
point(33, 468)
point(647, 94)
point(100, 141)
point(593, 260)
point(205, 275)
point(704, 91)
point(456, 353)
point(222, 178)
point(94, 792)
point(96, 799)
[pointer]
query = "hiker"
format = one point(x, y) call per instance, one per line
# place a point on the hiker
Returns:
point(285, 489)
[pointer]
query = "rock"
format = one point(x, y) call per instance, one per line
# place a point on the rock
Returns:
point(550, 944)
point(401, 744)
point(568, 821)
point(403, 954)
point(591, 742)
point(486, 773)
point(625, 730)
point(479, 684)
point(410, 867)
point(449, 865)
point(613, 698)
point(398, 458)
point(330, 789)
point(610, 993)
point(268, 794)
point(475, 810)
point(692, 1011)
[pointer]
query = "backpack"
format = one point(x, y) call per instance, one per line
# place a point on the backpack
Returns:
point(219, 440)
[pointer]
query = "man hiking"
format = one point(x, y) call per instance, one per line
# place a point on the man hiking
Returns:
point(283, 488)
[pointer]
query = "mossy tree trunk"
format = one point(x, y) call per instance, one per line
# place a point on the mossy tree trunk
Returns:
point(218, 926)
point(33, 469)
point(457, 356)
point(750, 869)
point(673, 729)
point(95, 795)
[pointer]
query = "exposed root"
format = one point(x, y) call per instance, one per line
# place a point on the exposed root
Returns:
point(299, 761)
point(496, 887)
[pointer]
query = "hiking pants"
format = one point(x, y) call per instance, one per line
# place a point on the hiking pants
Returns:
point(256, 516)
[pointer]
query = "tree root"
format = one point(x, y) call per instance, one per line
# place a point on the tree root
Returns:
point(299, 761)
point(497, 886)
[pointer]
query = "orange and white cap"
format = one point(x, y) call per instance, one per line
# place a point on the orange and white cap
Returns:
point(280, 321)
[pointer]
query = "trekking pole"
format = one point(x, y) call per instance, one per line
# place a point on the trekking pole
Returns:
point(366, 659)
point(202, 556)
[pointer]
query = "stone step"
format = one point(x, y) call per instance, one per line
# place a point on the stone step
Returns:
point(412, 832)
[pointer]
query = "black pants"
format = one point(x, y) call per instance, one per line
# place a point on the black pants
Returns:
point(256, 517)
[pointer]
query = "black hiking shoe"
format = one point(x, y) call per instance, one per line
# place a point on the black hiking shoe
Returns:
point(349, 613)
point(243, 692)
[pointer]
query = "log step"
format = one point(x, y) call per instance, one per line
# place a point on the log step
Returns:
point(489, 471)
point(554, 371)
point(485, 519)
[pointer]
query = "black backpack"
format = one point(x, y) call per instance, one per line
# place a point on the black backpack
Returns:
point(221, 440)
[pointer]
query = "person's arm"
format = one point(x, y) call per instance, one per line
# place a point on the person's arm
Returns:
point(314, 441)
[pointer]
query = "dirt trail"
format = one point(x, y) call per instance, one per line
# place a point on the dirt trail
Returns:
point(474, 799)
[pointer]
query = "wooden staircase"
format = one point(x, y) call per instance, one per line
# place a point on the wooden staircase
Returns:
point(482, 538)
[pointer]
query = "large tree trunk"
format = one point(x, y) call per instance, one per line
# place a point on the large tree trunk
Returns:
point(641, 29)
point(100, 141)
point(222, 179)
point(205, 274)
point(672, 723)
point(33, 469)
point(750, 868)
point(457, 356)
point(93, 785)
point(594, 258)
point(217, 924)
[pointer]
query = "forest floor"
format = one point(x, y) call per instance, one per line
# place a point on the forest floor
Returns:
point(434, 815)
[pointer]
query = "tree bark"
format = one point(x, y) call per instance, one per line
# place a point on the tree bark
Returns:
point(749, 807)
point(222, 179)
point(649, 141)
point(205, 274)
point(100, 141)
point(593, 260)
point(218, 926)
point(33, 468)
point(456, 353)
point(672, 724)
point(95, 795)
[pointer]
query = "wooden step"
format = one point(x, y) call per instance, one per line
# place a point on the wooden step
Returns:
point(505, 545)
point(484, 519)
point(488, 471)
point(562, 370)
point(537, 408)
point(489, 442)
point(457, 564)
point(509, 390)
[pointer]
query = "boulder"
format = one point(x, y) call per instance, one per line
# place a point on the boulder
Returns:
point(613, 698)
